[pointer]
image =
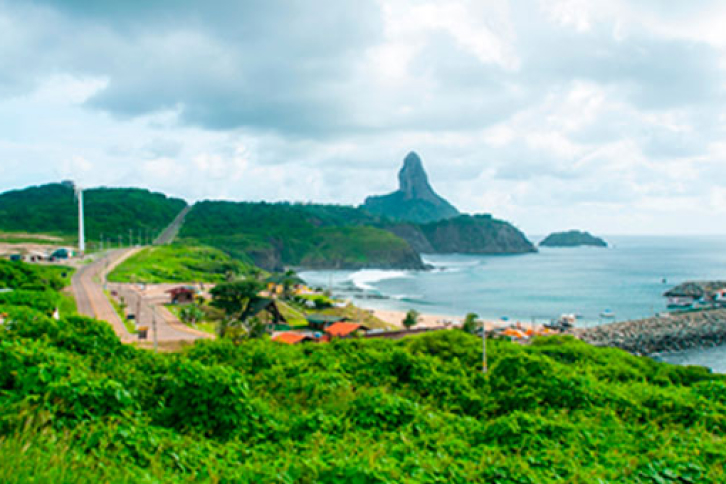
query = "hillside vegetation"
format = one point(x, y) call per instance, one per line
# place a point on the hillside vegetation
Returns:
point(78, 406)
point(110, 212)
point(465, 234)
point(274, 236)
point(178, 263)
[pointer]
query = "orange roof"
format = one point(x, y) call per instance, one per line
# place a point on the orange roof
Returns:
point(290, 338)
point(341, 329)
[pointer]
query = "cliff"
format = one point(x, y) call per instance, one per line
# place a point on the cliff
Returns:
point(465, 234)
point(573, 238)
point(415, 200)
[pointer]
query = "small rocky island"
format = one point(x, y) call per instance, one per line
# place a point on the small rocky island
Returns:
point(573, 238)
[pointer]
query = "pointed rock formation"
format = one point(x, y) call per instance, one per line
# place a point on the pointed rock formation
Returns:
point(415, 200)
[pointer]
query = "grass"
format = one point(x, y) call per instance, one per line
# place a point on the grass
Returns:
point(294, 316)
point(177, 263)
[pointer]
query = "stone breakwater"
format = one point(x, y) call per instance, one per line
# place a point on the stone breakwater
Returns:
point(663, 334)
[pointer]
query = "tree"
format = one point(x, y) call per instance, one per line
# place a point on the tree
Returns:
point(191, 314)
point(471, 325)
point(411, 319)
point(237, 299)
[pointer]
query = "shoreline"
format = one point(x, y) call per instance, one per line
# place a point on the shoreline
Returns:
point(427, 320)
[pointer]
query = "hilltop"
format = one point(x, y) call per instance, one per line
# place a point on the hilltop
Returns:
point(52, 209)
point(415, 200)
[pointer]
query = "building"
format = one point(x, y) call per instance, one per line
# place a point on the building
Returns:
point(36, 256)
point(182, 294)
point(321, 321)
point(290, 338)
point(344, 330)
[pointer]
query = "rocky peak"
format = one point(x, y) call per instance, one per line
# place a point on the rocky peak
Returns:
point(412, 179)
point(415, 200)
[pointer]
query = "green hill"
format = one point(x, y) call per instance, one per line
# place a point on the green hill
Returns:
point(52, 209)
point(78, 406)
point(178, 263)
point(274, 236)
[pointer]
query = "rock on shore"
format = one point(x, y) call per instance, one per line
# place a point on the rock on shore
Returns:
point(665, 334)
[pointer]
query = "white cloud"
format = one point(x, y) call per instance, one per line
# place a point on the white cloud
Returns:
point(606, 114)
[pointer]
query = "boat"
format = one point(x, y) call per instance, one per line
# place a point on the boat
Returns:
point(607, 314)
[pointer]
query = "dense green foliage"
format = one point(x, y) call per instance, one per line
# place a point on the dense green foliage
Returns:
point(398, 207)
point(78, 406)
point(18, 275)
point(274, 236)
point(108, 211)
point(179, 263)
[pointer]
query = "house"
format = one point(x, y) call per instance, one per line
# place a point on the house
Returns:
point(36, 256)
point(290, 338)
point(267, 310)
point(344, 330)
point(321, 321)
point(182, 294)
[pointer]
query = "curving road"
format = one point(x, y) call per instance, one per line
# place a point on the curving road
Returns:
point(88, 291)
point(88, 283)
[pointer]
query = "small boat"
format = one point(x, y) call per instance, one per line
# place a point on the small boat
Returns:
point(607, 314)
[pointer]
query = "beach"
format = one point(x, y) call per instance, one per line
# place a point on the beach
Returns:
point(395, 318)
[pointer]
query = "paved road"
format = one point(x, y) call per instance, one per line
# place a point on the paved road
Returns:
point(168, 235)
point(150, 311)
point(87, 285)
point(88, 291)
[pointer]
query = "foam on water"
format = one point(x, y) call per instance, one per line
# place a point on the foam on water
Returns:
point(367, 278)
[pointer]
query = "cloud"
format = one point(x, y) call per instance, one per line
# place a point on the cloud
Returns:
point(545, 113)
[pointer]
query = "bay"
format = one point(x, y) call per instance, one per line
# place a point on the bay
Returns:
point(628, 278)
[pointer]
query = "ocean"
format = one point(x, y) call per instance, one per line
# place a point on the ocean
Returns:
point(627, 279)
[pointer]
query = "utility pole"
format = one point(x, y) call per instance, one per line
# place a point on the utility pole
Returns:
point(131, 237)
point(483, 347)
point(153, 327)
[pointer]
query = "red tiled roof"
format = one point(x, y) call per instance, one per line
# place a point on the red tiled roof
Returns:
point(289, 338)
point(341, 329)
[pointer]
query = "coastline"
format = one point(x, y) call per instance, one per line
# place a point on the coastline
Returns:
point(395, 319)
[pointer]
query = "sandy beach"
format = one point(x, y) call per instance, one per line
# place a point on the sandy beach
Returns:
point(395, 318)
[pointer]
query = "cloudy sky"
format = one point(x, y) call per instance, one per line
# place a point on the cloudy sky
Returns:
point(606, 115)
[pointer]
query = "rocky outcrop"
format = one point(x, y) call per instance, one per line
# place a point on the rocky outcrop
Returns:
point(415, 200)
point(664, 334)
point(465, 234)
point(573, 238)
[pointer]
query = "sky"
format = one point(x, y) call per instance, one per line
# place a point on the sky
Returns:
point(602, 115)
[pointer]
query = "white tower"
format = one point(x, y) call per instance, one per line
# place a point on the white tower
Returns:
point(81, 230)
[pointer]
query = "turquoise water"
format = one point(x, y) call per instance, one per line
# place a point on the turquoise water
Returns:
point(627, 278)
